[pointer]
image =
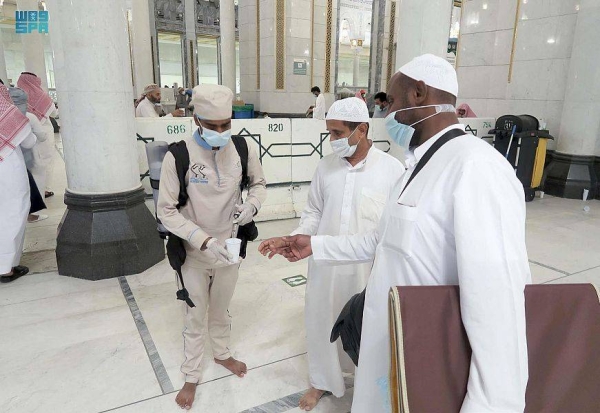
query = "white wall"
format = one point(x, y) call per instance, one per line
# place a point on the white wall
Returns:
point(290, 151)
point(541, 60)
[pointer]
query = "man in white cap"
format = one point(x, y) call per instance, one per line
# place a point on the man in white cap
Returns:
point(458, 219)
point(347, 195)
point(148, 106)
point(204, 223)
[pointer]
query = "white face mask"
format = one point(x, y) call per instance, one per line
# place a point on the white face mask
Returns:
point(341, 147)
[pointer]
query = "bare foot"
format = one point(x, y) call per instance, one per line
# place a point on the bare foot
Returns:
point(185, 397)
point(310, 399)
point(236, 367)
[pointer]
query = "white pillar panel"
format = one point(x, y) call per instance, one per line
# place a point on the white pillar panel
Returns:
point(191, 48)
point(33, 47)
point(142, 45)
point(423, 27)
point(227, 27)
point(580, 126)
point(3, 74)
point(93, 80)
point(356, 69)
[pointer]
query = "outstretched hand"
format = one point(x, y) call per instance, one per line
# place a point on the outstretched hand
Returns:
point(293, 248)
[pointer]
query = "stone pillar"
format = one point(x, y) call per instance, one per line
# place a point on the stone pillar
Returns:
point(572, 168)
point(107, 231)
point(33, 47)
point(227, 41)
point(423, 27)
point(356, 68)
point(3, 74)
point(143, 73)
point(191, 45)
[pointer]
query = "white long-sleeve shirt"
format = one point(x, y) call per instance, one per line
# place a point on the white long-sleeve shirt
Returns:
point(320, 110)
point(145, 109)
point(461, 221)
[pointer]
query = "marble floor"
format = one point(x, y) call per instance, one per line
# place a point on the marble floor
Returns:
point(68, 345)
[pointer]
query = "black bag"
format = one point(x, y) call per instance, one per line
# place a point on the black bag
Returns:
point(175, 248)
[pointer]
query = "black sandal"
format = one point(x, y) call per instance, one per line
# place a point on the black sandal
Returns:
point(48, 194)
point(18, 272)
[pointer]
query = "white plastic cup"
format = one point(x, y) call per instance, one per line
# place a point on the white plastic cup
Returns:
point(586, 193)
point(233, 246)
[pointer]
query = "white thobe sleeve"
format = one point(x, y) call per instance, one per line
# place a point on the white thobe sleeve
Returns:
point(30, 141)
point(311, 216)
point(489, 226)
point(145, 111)
point(319, 111)
point(37, 128)
point(345, 249)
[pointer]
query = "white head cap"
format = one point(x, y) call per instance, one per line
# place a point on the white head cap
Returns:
point(350, 110)
point(212, 102)
point(434, 71)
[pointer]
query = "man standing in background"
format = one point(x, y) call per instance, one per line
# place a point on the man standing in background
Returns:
point(148, 106)
point(318, 111)
point(381, 105)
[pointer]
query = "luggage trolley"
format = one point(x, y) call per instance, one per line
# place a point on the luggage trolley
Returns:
point(520, 141)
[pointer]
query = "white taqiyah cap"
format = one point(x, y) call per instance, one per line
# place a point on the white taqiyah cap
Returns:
point(433, 71)
point(349, 109)
point(212, 102)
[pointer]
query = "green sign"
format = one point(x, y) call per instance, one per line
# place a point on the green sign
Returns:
point(300, 67)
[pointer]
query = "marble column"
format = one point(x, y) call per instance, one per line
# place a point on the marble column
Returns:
point(107, 230)
point(191, 45)
point(143, 73)
point(423, 27)
point(356, 68)
point(3, 74)
point(227, 41)
point(33, 47)
point(575, 164)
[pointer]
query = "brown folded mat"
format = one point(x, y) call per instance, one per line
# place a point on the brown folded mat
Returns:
point(430, 351)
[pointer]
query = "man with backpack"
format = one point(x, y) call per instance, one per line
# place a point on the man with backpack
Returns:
point(201, 210)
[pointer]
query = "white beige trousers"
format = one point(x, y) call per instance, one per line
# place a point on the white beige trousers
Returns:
point(211, 290)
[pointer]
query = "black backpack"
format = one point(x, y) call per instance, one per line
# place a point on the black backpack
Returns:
point(175, 248)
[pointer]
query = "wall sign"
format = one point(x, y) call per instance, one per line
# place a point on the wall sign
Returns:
point(300, 67)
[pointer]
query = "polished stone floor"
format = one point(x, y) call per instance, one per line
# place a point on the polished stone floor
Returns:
point(68, 345)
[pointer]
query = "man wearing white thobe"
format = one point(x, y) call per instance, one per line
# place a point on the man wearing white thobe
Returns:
point(461, 221)
point(319, 110)
point(148, 106)
point(347, 195)
point(15, 133)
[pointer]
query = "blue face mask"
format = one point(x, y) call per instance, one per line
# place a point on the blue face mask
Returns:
point(401, 133)
point(215, 139)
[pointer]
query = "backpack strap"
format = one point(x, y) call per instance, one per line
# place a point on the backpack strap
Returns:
point(182, 164)
point(175, 248)
point(241, 146)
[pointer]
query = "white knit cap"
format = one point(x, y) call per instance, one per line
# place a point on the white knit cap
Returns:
point(212, 102)
point(433, 71)
point(349, 109)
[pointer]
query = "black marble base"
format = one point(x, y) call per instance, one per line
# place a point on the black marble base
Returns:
point(107, 236)
point(568, 175)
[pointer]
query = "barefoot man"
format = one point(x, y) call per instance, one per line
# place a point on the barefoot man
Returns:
point(204, 223)
point(347, 196)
